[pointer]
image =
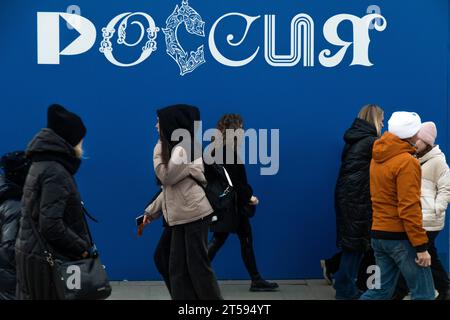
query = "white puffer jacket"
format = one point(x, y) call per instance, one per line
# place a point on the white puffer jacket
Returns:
point(435, 189)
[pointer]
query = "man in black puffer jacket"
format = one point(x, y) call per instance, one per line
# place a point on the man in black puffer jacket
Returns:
point(52, 203)
point(15, 167)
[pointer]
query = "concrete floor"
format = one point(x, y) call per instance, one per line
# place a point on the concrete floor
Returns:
point(231, 290)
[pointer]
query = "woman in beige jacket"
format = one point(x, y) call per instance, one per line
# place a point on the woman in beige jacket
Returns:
point(182, 256)
point(435, 195)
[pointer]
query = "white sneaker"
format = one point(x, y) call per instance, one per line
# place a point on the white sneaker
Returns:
point(326, 275)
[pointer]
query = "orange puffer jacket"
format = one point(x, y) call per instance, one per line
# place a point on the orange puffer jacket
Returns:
point(395, 182)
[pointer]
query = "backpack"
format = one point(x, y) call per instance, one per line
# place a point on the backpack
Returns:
point(219, 190)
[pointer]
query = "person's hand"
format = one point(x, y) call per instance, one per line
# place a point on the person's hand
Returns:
point(147, 220)
point(440, 210)
point(254, 201)
point(85, 254)
point(423, 259)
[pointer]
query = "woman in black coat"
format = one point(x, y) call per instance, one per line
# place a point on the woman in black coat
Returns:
point(352, 199)
point(52, 204)
point(15, 167)
point(237, 222)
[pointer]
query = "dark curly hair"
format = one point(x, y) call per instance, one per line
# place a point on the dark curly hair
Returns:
point(229, 121)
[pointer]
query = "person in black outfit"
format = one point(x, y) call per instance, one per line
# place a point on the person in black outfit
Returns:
point(238, 222)
point(353, 203)
point(15, 167)
point(51, 201)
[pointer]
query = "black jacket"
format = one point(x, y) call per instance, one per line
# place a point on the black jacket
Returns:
point(229, 222)
point(10, 195)
point(352, 194)
point(52, 203)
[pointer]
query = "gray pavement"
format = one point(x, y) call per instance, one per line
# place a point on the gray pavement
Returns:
point(231, 290)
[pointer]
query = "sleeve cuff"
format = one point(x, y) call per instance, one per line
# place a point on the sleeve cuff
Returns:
point(421, 248)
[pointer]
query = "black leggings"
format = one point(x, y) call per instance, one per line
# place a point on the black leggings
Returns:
point(244, 232)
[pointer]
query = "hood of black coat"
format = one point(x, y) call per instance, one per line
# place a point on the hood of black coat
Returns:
point(48, 146)
point(9, 190)
point(359, 130)
point(175, 117)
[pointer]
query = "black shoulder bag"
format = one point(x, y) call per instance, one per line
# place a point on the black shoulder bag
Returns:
point(84, 279)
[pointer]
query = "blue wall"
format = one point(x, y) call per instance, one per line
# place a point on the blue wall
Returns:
point(312, 107)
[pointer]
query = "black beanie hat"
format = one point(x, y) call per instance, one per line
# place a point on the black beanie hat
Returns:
point(66, 124)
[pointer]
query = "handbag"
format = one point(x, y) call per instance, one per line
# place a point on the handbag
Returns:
point(84, 279)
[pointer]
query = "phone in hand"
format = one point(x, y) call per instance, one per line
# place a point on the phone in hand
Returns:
point(139, 220)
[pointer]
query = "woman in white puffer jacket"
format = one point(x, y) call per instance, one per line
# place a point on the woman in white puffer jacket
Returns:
point(435, 198)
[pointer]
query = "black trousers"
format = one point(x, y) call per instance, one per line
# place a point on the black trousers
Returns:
point(182, 259)
point(244, 232)
point(368, 260)
point(440, 275)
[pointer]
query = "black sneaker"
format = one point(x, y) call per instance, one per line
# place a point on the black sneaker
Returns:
point(263, 285)
point(326, 274)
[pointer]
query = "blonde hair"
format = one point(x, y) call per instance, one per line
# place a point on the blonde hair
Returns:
point(79, 150)
point(372, 114)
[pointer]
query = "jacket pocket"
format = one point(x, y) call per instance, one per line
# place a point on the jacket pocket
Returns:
point(191, 192)
point(428, 204)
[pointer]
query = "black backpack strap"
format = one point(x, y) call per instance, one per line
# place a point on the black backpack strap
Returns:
point(42, 243)
point(87, 213)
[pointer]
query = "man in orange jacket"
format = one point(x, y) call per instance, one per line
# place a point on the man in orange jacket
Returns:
point(398, 238)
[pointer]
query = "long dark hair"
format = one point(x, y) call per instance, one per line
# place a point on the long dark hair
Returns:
point(166, 150)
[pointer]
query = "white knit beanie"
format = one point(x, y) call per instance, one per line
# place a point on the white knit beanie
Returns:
point(404, 124)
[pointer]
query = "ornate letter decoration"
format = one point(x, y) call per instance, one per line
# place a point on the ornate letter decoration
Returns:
point(194, 25)
point(108, 32)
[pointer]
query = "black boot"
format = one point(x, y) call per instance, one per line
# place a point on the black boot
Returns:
point(262, 285)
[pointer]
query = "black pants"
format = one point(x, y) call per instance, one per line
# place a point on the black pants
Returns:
point(244, 232)
point(368, 260)
point(182, 259)
point(440, 275)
